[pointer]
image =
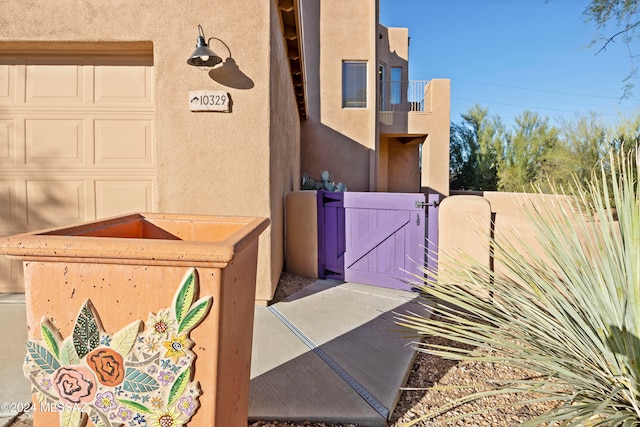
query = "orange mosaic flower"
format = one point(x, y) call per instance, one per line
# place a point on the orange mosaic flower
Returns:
point(108, 366)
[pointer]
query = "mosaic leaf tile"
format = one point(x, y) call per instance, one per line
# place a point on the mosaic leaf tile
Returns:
point(138, 375)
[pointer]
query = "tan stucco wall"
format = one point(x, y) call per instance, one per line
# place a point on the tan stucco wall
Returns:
point(466, 221)
point(302, 233)
point(435, 150)
point(208, 163)
point(341, 140)
point(285, 152)
point(464, 224)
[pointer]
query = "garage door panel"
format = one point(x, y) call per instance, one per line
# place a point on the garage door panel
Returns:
point(124, 142)
point(77, 140)
point(8, 204)
point(123, 85)
point(55, 202)
point(116, 197)
point(7, 141)
point(7, 84)
point(55, 140)
point(52, 84)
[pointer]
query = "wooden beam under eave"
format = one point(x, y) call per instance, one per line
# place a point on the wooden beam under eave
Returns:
point(285, 5)
point(295, 68)
point(290, 33)
point(293, 53)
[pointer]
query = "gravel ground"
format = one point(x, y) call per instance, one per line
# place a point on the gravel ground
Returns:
point(419, 398)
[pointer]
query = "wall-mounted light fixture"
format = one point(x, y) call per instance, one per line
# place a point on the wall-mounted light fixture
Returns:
point(203, 56)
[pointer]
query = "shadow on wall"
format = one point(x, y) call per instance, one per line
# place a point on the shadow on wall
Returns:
point(322, 147)
point(229, 74)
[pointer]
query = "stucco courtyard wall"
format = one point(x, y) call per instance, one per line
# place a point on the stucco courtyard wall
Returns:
point(467, 221)
point(237, 163)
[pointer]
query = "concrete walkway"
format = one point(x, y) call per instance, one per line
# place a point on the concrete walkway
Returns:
point(330, 353)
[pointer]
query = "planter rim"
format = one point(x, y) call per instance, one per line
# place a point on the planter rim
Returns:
point(70, 244)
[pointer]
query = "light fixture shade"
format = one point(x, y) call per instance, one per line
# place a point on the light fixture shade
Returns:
point(203, 56)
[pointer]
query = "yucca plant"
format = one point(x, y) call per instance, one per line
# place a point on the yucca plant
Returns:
point(567, 308)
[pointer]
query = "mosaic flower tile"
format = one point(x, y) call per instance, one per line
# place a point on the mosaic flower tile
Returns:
point(138, 376)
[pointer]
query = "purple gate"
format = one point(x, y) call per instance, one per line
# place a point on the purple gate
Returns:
point(371, 238)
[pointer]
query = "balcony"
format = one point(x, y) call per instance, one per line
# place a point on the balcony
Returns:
point(409, 107)
point(402, 96)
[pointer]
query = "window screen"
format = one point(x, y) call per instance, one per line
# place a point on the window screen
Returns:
point(354, 84)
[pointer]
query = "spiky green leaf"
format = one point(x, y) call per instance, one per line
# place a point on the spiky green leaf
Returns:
point(178, 386)
point(135, 406)
point(50, 338)
point(185, 294)
point(195, 315)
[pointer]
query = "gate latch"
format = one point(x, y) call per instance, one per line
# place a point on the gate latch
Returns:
point(422, 205)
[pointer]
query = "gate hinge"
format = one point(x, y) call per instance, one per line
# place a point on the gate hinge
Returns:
point(326, 199)
point(422, 205)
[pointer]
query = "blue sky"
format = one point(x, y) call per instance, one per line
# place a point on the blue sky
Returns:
point(514, 55)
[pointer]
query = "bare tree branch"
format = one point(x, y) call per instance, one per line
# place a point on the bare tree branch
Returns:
point(611, 39)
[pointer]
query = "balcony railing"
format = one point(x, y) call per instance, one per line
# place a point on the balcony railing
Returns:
point(402, 96)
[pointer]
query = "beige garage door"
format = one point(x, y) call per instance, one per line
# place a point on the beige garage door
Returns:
point(76, 141)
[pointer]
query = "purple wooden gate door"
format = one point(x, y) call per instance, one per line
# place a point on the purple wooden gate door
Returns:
point(381, 241)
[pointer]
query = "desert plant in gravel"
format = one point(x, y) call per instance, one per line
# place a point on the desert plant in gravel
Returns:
point(566, 308)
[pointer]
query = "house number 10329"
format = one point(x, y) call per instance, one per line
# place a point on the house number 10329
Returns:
point(208, 100)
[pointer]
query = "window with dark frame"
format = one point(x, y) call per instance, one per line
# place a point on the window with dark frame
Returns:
point(354, 84)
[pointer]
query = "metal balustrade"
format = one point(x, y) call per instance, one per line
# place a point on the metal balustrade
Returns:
point(402, 96)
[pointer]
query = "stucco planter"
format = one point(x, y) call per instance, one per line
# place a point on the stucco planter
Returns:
point(129, 267)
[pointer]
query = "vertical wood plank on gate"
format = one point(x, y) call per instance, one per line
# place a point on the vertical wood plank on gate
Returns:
point(331, 238)
point(384, 238)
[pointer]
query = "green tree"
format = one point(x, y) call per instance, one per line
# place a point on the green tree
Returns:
point(476, 148)
point(586, 140)
point(532, 154)
point(626, 135)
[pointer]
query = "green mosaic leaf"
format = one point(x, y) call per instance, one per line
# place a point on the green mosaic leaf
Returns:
point(50, 338)
point(135, 406)
point(195, 315)
point(184, 296)
point(42, 357)
point(68, 354)
point(70, 418)
point(86, 335)
point(124, 339)
point(136, 381)
point(178, 386)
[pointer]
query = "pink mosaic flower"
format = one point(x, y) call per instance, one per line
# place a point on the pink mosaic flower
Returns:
point(75, 384)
